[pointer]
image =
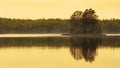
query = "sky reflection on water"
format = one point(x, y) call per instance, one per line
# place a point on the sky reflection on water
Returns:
point(60, 52)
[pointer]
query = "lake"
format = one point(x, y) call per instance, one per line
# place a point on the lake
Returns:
point(60, 52)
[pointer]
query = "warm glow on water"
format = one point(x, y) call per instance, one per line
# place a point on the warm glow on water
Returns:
point(60, 52)
point(55, 58)
point(41, 35)
point(30, 35)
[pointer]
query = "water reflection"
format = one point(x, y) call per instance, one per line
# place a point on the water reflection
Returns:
point(34, 42)
point(84, 47)
point(80, 47)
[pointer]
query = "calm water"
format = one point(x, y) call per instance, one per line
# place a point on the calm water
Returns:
point(60, 52)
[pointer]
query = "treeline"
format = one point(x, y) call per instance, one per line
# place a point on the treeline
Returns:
point(110, 26)
point(50, 26)
point(33, 26)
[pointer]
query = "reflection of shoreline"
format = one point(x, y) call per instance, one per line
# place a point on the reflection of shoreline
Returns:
point(80, 47)
point(84, 48)
point(55, 42)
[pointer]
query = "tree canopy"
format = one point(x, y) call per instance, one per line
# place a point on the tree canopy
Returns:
point(84, 22)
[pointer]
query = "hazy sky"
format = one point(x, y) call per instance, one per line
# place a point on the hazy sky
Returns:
point(35, 9)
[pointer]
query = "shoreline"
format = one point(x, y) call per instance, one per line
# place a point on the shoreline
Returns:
point(57, 35)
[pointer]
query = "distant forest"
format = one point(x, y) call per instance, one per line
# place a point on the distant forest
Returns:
point(50, 26)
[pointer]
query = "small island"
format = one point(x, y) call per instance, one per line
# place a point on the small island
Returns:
point(80, 24)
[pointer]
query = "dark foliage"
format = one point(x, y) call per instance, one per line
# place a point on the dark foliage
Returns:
point(33, 26)
point(55, 26)
point(85, 23)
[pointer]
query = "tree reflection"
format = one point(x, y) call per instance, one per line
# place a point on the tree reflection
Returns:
point(84, 47)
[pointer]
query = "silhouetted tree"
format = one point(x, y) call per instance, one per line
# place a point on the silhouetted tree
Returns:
point(86, 22)
point(76, 22)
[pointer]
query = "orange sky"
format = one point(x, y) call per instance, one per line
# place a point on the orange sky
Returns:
point(35, 9)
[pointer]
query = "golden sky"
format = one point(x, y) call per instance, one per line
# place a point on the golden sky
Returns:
point(35, 9)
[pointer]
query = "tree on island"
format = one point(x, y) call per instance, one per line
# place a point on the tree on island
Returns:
point(84, 22)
